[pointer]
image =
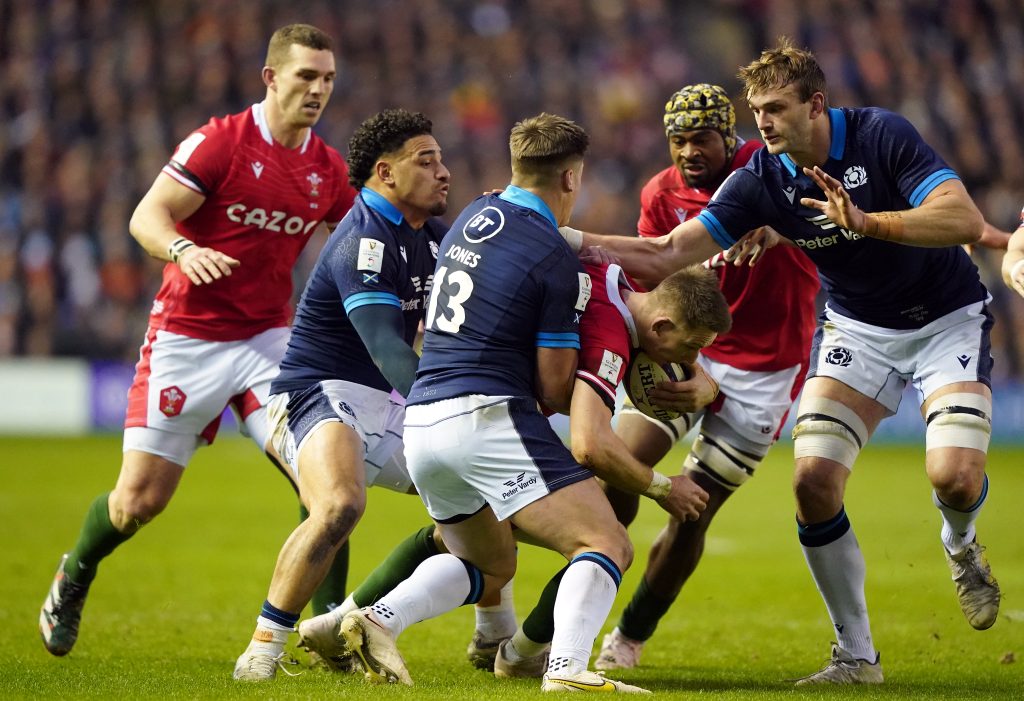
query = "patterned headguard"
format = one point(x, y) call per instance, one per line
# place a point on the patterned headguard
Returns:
point(702, 106)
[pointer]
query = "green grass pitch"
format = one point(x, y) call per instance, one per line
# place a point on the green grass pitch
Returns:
point(172, 608)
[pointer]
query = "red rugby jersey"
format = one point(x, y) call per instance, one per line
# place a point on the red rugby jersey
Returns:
point(772, 304)
point(263, 202)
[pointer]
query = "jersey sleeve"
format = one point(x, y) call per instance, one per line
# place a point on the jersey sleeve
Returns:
point(739, 205)
point(566, 289)
point(365, 269)
point(604, 350)
point(915, 166)
point(202, 159)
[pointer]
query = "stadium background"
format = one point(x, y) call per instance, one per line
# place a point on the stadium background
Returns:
point(94, 95)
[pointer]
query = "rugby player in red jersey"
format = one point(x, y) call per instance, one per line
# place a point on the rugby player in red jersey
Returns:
point(230, 212)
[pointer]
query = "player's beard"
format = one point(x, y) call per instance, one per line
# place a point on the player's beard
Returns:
point(438, 209)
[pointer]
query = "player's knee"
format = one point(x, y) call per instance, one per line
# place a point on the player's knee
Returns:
point(618, 547)
point(816, 488)
point(723, 464)
point(339, 518)
point(828, 429)
point(130, 510)
point(959, 420)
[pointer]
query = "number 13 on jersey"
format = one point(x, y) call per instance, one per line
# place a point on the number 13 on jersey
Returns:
point(451, 318)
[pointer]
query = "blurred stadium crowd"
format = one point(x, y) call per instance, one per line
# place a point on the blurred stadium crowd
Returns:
point(94, 95)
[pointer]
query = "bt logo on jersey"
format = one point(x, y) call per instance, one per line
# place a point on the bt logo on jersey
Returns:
point(274, 221)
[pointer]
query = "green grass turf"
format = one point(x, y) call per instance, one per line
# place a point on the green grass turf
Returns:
point(173, 607)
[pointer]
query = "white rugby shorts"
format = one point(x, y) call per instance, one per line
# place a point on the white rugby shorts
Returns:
point(467, 452)
point(375, 416)
point(879, 362)
point(182, 386)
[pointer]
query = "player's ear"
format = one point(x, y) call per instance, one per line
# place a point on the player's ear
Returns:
point(817, 104)
point(662, 325)
point(383, 171)
point(568, 180)
point(268, 77)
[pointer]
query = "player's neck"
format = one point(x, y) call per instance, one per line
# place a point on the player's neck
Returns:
point(287, 135)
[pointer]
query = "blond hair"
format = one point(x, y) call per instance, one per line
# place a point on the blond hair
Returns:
point(781, 66)
point(284, 38)
point(544, 146)
point(692, 296)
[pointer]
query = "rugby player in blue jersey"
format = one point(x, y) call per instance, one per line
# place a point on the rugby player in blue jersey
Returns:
point(882, 216)
point(337, 405)
point(502, 332)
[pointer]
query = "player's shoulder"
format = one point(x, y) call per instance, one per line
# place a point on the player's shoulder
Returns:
point(744, 152)
point(230, 126)
point(877, 122)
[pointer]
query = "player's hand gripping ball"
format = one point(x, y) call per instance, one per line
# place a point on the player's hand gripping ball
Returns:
point(643, 376)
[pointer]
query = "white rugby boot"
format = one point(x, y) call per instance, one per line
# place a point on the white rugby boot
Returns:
point(375, 647)
point(844, 668)
point(587, 681)
point(262, 657)
point(976, 588)
point(320, 636)
point(618, 652)
point(523, 667)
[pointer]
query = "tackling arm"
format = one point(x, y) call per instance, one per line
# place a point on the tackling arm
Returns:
point(651, 260)
point(596, 446)
point(380, 326)
point(556, 371)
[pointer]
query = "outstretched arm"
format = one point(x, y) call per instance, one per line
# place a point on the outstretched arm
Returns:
point(651, 260)
point(946, 217)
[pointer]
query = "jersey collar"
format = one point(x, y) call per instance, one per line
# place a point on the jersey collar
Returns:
point(614, 280)
point(525, 198)
point(836, 148)
point(378, 203)
point(260, 117)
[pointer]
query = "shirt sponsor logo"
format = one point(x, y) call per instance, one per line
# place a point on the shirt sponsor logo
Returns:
point(586, 290)
point(484, 224)
point(519, 484)
point(611, 366)
point(371, 255)
point(272, 221)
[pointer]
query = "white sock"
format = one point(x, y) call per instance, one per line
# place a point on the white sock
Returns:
point(440, 584)
point(269, 636)
point(958, 526)
point(838, 570)
point(497, 622)
point(585, 597)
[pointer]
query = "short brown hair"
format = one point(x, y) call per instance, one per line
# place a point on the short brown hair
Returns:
point(302, 34)
point(542, 147)
point(692, 296)
point(781, 66)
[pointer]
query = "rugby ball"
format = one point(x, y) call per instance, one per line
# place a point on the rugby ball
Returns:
point(643, 376)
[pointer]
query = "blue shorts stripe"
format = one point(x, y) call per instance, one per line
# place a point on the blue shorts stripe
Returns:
point(604, 562)
point(555, 463)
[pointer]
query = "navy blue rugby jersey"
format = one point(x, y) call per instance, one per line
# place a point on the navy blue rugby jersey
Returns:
point(506, 283)
point(884, 165)
point(373, 257)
